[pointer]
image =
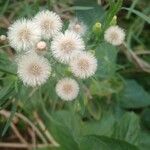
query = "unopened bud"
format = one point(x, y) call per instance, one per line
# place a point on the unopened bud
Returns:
point(114, 21)
point(97, 27)
point(41, 45)
point(3, 37)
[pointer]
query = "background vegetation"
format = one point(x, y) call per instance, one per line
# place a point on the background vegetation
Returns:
point(112, 111)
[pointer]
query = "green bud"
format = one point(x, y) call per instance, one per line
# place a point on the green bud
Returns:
point(113, 21)
point(97, 27)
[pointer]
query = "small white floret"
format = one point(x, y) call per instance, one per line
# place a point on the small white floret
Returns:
point(77, 26)
point(33, 70)
point(84, 65)
point(67, 89)
point(23, 35)
point(49, 22)
point(114, 35)
point(66, 46)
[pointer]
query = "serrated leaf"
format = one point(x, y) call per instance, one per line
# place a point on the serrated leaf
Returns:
point(128, 128)
point(144, 143)
point(134, 96)
point(103, 143)
point(94, 108)
point(91, 16)
point(106, 55)
point(102, 127)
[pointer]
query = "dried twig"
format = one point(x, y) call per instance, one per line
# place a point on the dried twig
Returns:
point(43, 128)
point(19, 145)
point(16, 131)
point(140, 63)
point(7, 113)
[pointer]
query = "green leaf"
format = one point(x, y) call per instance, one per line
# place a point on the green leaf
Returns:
point(94, 108)
point(128, 128)
point(106, 55)
point(146, 118)
point(90, 16)
point(64, 128)
point(103, 143)
point(6, 92)
point(6, 65)
point(114, 8)
point(138, 13)
point(106, 87)
point(144, 140)
point(13, 111)
point(134, 96)
point(102, 127)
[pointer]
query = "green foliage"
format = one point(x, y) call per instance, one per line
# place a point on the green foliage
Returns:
point(112, 110)
point(134, 96)
point(128, 128)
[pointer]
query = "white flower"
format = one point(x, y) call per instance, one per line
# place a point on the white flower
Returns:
point(77, 26)
point(49, 23)
point(23, 35)
point(84, 65)
point(66, 46)
point(114, 35)
point(33, 70)
point(67, 89)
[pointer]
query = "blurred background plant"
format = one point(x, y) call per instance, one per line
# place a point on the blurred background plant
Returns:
point(112, 111)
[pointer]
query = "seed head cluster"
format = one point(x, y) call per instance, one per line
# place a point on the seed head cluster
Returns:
point(41, 46)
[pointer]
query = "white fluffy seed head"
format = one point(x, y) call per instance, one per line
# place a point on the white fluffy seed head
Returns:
point(67, 89)
point(33, 70)
point(66, 46)
point(84, 65)
point(49, 23)
point(114, 35)
point(77, 26)
point(23, 35)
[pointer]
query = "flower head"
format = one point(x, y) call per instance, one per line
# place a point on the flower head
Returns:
point(23, 35)
point(49, 23)
point(84, 65)
point(114, 35)
point(33, 70)
point(66, 46)
point(77, 26)
point(67, 89)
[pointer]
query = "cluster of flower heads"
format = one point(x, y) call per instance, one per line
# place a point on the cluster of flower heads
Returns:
point(31, 38)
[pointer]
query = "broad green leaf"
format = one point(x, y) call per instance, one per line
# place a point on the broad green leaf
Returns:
point(91, 16)
point(102, 127)
point(106, 87)
point(6, 65)
point(134, 96)
point(128, 128)
point(103, 143)
point(144, 143)
point(146, 118)
point(94, 108)
point(64, 128)
point(106, 55)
